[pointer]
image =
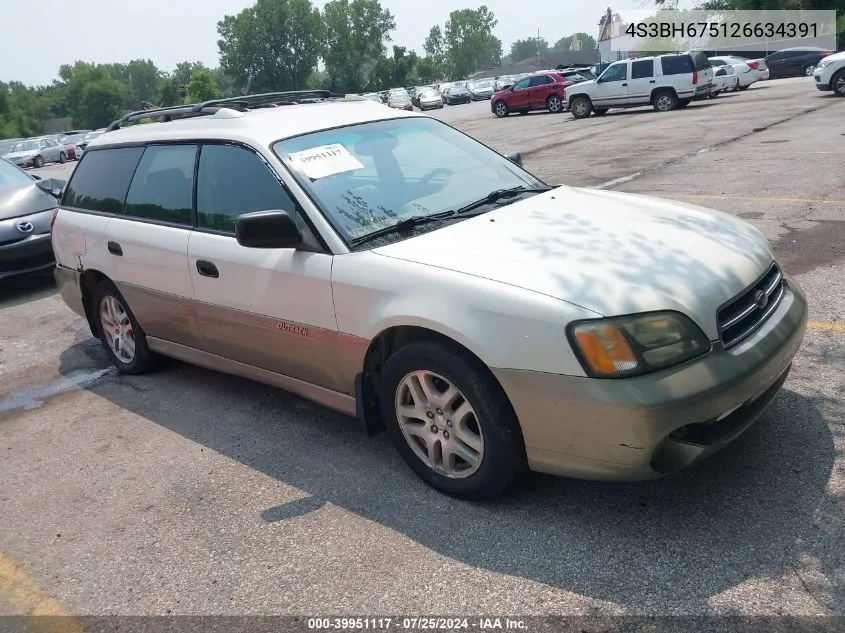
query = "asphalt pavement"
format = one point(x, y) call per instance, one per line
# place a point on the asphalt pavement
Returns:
point(191, 492)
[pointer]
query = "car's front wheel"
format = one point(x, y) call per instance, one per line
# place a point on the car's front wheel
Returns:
point(600, 111)
point(122, 336)
point(580, 107)
point(837, 84)
point(450, 421)
point(38, 161)
point(500, 109)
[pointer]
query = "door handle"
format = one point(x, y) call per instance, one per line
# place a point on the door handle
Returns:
point(625, 84)
point(115, 249)
point(207, 269)
point(651, 81)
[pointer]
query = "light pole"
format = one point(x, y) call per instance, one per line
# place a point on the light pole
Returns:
point(538, 48)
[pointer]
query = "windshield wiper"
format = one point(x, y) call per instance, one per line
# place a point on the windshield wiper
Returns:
point(495, 196)
point(406, 224)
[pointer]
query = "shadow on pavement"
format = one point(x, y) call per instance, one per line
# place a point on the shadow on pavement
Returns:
point(19, 290)
point(755, 510)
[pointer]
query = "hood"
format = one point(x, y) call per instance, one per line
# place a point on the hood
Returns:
point(27, 153)
point(24, 199)
point(609, 252)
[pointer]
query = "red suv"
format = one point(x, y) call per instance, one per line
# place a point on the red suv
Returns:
point(540, 91)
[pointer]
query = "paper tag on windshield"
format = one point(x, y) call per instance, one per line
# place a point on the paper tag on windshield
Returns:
point(326, 160)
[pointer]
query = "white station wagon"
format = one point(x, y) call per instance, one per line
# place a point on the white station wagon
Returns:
point(386, 265)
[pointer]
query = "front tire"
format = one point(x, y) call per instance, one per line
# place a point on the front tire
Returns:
point(600, 111)
point(664, 101)
point(580, 107)
point(123, 338)
point(500, 109)
point(683, 103)
point(740, 87)
point(837, 83)
point(38, 162)
point(450, 421)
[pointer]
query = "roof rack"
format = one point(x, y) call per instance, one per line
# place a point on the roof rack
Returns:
point(242, 103)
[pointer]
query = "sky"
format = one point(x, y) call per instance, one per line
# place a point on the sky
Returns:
point(171, 31)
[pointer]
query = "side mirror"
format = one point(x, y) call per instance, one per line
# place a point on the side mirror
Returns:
point(267, 229)
point(514, 157)
point(53, 186)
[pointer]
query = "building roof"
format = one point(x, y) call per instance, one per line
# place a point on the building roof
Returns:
point(259, 127)
point(549, 59)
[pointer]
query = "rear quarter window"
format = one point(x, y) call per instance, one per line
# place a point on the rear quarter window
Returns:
point(102, 179)
point(677, 65)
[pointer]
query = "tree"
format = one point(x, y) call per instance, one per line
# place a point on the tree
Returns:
point(183, 72)
point(168, 93)
point(586, 42)
point(100, 103)
point(527, 48)
point(467, 43)
point(435, 49)
point(356, 33)
point(202, 87)
point(428, 70)
point(274, 45)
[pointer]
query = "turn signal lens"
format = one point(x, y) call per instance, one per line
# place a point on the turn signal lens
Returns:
point(605, 349)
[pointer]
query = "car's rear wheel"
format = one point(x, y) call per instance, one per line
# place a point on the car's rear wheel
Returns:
point(501, 109)
point(837, 83)
point(664, 101)
point(600, 111)
point(38, 161)
point(808, 71)
point(62, 158)
point(450, 421)
point(580, 107)
point(554, 104)
point(124, 340)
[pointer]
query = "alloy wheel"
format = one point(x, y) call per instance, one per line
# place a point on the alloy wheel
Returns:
point(117, 329)
point(439, 424)
point(554, 104)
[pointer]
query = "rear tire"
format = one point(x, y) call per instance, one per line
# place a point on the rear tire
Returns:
point(476, 421)
point(500, 109)
point(664, 101)
point(554, 104)
point(62, 158)
point(808, 71)
point(580, 107)
point(123, 338)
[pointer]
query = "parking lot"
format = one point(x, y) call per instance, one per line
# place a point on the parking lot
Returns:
point(192, 492)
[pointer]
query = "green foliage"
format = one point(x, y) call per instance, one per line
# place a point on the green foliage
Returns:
point(427, 70)
point(99, 103)
point(273, 45)
point(524, 49)
point(435, 50)
point(202, 87)
point(168, 93)
point(183, 72)
point(586, 41)
point(465, 44)
point(356, 33)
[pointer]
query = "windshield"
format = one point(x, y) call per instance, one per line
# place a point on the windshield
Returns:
point(6, 146)
point(91, 136)
point(399, 95)
point(369, 176)
point(25, 146)
point(73, 139)
point(429, 92)
point(11, 176)
point(458, 89)
point(482, 85)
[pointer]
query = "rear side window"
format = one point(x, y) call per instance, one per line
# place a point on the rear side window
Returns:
point(677, 64)
point(232, 181)
point(541, 80)
point(642, 69)
point(102, 179)
point(163, 186)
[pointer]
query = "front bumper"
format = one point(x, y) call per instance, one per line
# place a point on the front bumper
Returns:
point(649, 426)
point(22, 162)
point(818, 77)
point(29, 255)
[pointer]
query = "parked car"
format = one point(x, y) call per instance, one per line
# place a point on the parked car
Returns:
point(390, 228)
point(89, 137)
point(747, 71)
point(7, 145)
point(429, 98)
point(724, 80)
point(542, 91)
point(665, 82)
point(794, 62)
point(399, 99)
point(830, 74)
point(26, 211)
point(372, 96)
point(505, 81)
point(457, 94)
point(36, 152)
point(418, 90)
point(481, 90)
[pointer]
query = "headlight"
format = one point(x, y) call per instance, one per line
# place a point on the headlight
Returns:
point(823, 63)
point(620, 347)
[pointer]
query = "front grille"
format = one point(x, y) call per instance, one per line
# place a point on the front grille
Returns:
point(744, 314)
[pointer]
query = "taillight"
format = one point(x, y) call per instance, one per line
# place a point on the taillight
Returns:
point(825, 55)
point(53, 218)
point(694, 77)
point(752, 65)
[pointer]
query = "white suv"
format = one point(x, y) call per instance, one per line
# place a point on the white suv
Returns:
point(388, 266)
point(829, 74)
point(666, 82)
